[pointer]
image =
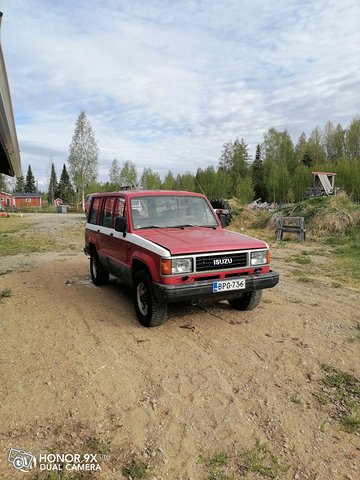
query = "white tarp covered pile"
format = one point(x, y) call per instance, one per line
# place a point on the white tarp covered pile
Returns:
point(325, 183)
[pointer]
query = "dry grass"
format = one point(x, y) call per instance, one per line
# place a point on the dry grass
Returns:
point(335, 220)
point(326, 215)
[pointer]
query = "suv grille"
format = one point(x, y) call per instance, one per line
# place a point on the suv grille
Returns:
point(221, 262)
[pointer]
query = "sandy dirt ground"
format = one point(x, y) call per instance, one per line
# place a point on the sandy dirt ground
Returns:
point(79, 374)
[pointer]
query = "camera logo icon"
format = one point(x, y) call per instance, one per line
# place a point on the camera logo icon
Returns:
point(21, 460)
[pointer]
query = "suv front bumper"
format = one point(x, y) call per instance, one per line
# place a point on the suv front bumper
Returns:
point(203, 289)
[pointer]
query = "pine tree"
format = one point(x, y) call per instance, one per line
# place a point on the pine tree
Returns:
point(20, 184)
point(83, 156)
point(53, 186)
point(169, 181)
point(257, 171)
point(302, 151)
point(30, 185)
point(65, 190)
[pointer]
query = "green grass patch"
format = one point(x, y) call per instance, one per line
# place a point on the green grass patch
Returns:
point(347, 254)
point(341, 390)
point(341, 381)
point(6, 293)
point(323, 398)
point(260, 461)
point(351, 424)
point(136, 470)
point(334, 241)
point(317, 252)
point(5, 272)
point(98, 445)
point(216, 467)
point(300, 259)
point(12, 225)
point(355, 337)
point(301, 276)
point(29, 244)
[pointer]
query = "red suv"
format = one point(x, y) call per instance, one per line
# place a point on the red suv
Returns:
point(169, 246)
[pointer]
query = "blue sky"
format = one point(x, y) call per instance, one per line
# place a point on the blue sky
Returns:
point(166, 83)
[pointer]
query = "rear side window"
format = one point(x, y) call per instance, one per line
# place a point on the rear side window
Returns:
point(94, 210)
point(106, 217)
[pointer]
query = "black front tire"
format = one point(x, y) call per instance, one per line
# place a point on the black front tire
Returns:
point(149, 311)
point(99, 275)
point(248, 301)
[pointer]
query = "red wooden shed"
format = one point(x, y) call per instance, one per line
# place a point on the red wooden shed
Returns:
point(24, 200)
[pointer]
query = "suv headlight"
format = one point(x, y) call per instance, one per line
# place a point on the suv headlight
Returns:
point(176, 266)
point(259, 258)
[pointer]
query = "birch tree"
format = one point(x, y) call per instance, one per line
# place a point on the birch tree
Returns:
point(83, 156)
point(114, 173)
point(150, 180)
point(128, 173)
point(3, 186)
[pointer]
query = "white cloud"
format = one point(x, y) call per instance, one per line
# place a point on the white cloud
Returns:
point(166, 83)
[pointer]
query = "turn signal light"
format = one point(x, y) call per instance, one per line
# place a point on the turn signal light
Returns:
point(166, 266)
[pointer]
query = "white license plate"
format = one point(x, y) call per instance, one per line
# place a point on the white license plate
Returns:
point(226, 285)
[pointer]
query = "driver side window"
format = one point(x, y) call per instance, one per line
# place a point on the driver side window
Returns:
point(120, 208)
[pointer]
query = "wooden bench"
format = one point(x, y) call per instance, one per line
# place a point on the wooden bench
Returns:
point(290, 225)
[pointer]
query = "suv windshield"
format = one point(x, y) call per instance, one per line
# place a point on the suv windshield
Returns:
point(164, 211)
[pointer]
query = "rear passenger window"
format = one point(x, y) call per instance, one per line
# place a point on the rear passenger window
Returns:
point(94, 210)
point(106, 218)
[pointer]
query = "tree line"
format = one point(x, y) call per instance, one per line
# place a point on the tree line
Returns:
point(23, 184)
point(280, 172)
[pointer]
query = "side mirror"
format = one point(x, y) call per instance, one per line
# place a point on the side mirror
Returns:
point(223, 219)
point(120, 225)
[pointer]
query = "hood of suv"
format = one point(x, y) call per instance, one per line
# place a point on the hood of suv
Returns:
point(200, 240)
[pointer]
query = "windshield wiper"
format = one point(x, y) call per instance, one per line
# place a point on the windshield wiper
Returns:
point(149, 226)
point(184, 225)
point(181, 226)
